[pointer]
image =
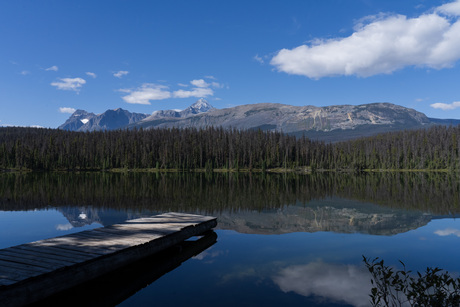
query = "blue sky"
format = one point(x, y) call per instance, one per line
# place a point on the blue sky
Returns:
point(58, 56)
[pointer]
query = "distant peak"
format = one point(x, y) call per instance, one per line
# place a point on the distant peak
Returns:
point(201, 105)
point(201, 102)
point(80, 112)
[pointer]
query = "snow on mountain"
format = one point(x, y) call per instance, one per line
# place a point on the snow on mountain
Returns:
point(81, 120)
point(200, 106)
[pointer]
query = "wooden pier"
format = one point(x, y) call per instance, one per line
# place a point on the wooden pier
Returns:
point(34, 271)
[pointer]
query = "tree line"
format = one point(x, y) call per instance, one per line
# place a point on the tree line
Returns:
point(213, 193)
point(211, 148)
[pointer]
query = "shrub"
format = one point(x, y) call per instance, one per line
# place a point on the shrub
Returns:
point(391, 287)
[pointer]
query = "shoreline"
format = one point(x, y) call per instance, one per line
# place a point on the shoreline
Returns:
point(298, 170)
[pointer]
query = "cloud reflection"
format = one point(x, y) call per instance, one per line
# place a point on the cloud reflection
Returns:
point(64, 226)
point(208, 255)
point(347, 283)
point(448, 232)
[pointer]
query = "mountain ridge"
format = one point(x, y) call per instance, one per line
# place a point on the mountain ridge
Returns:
point(328, 123)
point(82, 120)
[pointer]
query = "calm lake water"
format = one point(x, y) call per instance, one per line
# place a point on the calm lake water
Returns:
point(294, 240)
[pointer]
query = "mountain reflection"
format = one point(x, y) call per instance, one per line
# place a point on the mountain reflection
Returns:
point(334, 282)
point(115, 287)
point(374, 203)
point(332, 215)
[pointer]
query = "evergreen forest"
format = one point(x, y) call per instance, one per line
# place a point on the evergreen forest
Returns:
point(435, 148)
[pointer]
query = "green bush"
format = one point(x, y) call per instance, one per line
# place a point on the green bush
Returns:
point(391, 287)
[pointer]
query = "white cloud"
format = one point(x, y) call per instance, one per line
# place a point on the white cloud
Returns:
point(25, 72)
point(52, 68)
point(203, 84)
point(120, 73)
point(452, 8)
point(380, 45)
point(210, 77)
point(258, 59)
point(91, 74)
point(446, 106)
point(30, 126)
point(4, 125)
point(341, 283)
point(448, 232)
point(217, 85)
point(66, 110)
point(146, 93)
point(199, 83)
point(69, 84)
point(199, 88)
point(198, 92)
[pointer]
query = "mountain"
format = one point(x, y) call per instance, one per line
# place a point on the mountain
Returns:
point(331, 123)
point(109, 120)
point(82, 120)
point(201, 106)
point(77, 120)
point(327, 123)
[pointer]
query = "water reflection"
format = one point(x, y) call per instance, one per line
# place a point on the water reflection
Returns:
point(117, 286)
point(334, 282)
point(375, 203)
point(448, 232)
point(272, 228)
point(329, 214)
point(429, 192)
point(64, 227)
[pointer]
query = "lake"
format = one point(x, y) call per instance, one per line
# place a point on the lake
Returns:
point(289, 239)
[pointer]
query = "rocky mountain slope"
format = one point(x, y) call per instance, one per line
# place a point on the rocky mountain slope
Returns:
point(331, 123)
point(81, 120)
point(198, 107)
point(327, 123)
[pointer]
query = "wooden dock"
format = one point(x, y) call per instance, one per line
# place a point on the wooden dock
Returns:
point(34, 271)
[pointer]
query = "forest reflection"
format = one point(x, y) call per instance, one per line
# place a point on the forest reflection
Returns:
point(432, 192)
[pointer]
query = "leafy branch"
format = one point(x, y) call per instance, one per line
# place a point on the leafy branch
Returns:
point(391, 287)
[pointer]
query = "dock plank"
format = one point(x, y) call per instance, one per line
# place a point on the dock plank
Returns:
point(70, 247)
point(18, 274)
point(10, 264)
point(30, 262)
point(98, 235)
point(23, 254)
point(58, 252)
point(44, 255)
point(45, 267)
point(7, 282)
